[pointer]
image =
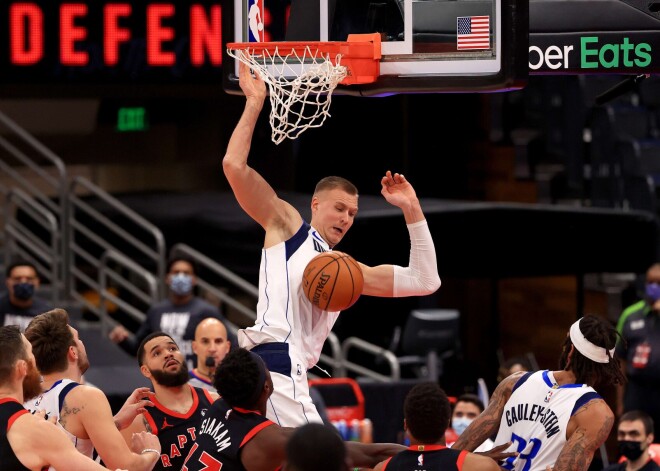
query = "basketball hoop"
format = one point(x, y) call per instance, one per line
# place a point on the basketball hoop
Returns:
point(301, 76)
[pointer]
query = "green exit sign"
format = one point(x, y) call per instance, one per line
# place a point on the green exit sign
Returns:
point(132, 119)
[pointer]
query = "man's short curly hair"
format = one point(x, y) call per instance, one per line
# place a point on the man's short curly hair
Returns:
point(427, 412)
point(237, 378)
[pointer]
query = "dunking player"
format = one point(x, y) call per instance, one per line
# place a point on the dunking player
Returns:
point(235, 435)
point(178, 407)
point(82, 411)
point(28, 442)
point(289, 332)
point(554, 418)
point(427, 413)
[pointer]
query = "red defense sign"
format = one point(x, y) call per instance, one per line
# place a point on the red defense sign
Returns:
point(116, 42)
point(28, 33)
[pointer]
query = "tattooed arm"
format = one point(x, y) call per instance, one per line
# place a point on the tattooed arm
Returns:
point(488, 422)
point(140, 424)
point(587, 430)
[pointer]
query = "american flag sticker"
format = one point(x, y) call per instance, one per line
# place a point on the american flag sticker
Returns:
point(472, 32)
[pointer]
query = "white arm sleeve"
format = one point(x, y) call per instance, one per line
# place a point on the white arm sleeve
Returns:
point(420, 277)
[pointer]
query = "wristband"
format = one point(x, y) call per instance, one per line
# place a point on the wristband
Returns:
point(150, 450)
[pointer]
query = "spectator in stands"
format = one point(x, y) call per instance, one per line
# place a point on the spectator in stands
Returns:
point(513, 365)
point(28, 441)
point(178, 315)
point(316, 447)
point(235, 432)
point(638, 350)
point(20, 304)
point(426, 412)
point(210, 347)
point(83, 412)
point(467, 408)
point(634, 437)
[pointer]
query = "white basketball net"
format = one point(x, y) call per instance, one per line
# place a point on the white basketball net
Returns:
point(300, 95)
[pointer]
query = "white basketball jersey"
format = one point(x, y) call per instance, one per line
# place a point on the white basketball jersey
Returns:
point(535, 419)
point(50, 402)
point(284, 314)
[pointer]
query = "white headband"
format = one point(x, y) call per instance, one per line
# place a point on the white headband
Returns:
point(588, 349)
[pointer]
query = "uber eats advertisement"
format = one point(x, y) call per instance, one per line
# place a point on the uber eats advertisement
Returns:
point(595, 52)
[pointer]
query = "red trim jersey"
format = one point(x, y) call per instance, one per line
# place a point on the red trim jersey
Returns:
point(222, 436)
point(427, 458)
point(177, 432)
point(10, 410)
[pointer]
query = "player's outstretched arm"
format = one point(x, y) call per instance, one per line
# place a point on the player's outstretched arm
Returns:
point(420, 277)
point(368, 455)
point(96, 417)
point(39, 443)
point(253, 192)
point(488, 422)
point(588, 429)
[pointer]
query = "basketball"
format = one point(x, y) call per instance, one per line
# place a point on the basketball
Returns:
point(333, 281)
point(260, 26)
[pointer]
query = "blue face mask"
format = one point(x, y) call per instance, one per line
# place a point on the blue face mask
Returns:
point(459, 424)
point(653, 291)
point(23, 291)
point(181, 284)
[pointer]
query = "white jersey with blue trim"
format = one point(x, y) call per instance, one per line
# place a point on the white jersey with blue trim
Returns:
point(535, 419)
point(284, 314)
point(51, 402)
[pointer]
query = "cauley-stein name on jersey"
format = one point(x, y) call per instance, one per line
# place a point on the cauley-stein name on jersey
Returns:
point(534, 413)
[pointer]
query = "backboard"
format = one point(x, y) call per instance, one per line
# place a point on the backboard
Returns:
point(427, 45)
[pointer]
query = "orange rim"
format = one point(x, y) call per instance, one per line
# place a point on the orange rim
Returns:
point(360, 54)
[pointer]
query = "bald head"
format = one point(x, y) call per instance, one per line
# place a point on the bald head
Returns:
point(210, 342)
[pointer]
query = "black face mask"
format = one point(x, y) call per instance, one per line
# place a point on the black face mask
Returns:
point(631, 450)
point(23, 291)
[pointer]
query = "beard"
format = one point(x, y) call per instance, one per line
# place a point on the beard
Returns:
point(31, 383)
point(170, 380)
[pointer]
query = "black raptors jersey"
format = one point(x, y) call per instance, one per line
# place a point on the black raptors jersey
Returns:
point(427, 458)
point(10, 410)
point(221, 436)
point(177, 432)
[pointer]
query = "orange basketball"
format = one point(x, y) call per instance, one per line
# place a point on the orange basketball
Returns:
point(333, 281)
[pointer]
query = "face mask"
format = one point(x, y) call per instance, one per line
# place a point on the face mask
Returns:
point(181, 284)
point(459, 424)
point(23, 291)
point(653, 291)
point(631, 450)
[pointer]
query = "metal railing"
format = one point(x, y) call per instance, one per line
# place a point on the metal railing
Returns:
point(380, 352)
point(92, 234)
point(216, 270)
point(21, 240)
point(41, 176)
point(119, 271)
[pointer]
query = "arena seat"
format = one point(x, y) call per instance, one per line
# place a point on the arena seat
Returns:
point(429, 337)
